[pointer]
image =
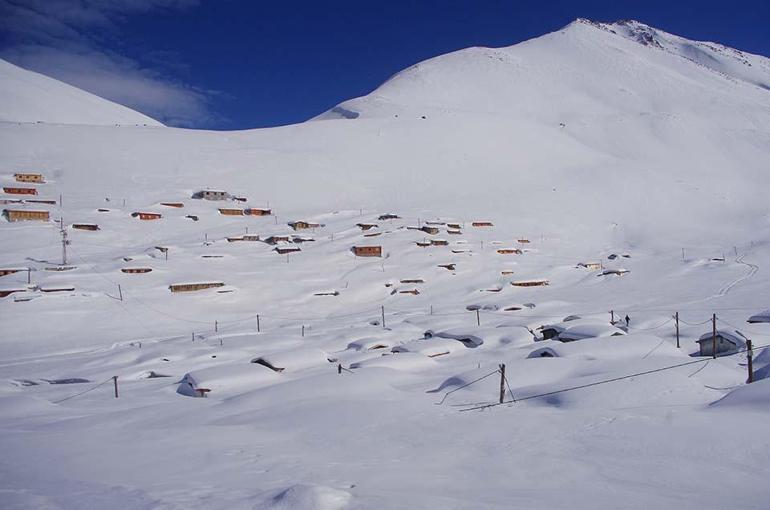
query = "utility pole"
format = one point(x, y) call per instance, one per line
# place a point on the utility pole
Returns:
point(714, 336)
point(64, 243)
point(750, 358)
point(478, 318)
point(257, 323)
point(115, 383)
point(502, 382)
point(676, 316)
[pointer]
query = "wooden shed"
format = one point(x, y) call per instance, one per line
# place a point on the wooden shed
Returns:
point(277, 239)
point(482, 224)
point(429, 230)
point(142, 215)
point(286, 249)
point(388, 216)
point(367, 251)
point(439, 242)
point(256, 211)
point(590, 265)
point(530, 283)
point(229, 211)
point(27, 177)
point(509, 251)
point(13, 190)
point(136, 270)
point(192, 287)
point(303, 225)
point(25, 215)
point(366, 226)
point(85, 226)
point(727, 342)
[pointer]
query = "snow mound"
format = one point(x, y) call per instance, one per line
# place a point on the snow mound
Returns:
point(754, 396)
point(33, 97)
point(308, 497)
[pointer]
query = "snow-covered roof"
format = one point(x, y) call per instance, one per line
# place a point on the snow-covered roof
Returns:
point(763, 316)
point(579, 331)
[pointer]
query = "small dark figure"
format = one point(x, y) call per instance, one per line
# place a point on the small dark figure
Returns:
point(628, 319)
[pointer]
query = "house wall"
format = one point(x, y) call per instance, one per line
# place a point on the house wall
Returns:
point(706, 346)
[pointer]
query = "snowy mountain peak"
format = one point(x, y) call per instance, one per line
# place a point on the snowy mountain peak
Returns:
point(33, 97)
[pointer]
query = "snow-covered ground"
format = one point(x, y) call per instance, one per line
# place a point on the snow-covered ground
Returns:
point(580, 146)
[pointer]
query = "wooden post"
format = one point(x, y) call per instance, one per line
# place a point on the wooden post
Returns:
point(612, 316)
point(60, 199)
point(166, 253)
point(120, 292)
point(303, 330)
point(478, 318)
point(220, 342)
point(115, 383)
point(676, 316)
point(339, 368)
point(714, 336)
point(257, 323)
point(750, 358)
point(502, 382)
point(382, 310)
point(29, 275)
point(193, 336)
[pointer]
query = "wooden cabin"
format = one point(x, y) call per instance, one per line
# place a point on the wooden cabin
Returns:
point(257, 212)
point(211, 194)
point(412, 280)
point(413, 292)
point(530, 283)
point(192, 287)
point(454, 232)
point(523, 241)
point(12, 190)
point(227, 211)
point(250, 237)
point(388, 216)
point(367, 251)
point(455, 226)
point(6, 272)
point(482, 224)
point(177, 205)
point(423, 244)
point(509, 251)
point(25, 215)
point(277, 239)
point(727, 342)
point(234, 239)
point(85, 226)
point(302, 239)
point(284, 250)
point(26, 177)
point(146, 215)
point(590, 265)
point(439, 242)
point(136, 270)
point(366, 226)
point(303, 225)
point(429, 230)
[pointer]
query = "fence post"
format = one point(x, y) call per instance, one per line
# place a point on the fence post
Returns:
point(502, 382)
point(750, 357)
point(115, 383)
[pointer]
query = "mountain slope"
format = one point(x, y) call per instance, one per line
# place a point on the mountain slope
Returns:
point(33, 97)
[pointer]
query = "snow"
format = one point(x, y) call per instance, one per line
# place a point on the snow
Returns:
point(563, 140)
point(32, 97)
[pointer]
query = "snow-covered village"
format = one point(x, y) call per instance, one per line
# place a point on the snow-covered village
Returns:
point(531, 276)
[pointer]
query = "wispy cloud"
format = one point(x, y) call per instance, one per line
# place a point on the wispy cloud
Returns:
point(75, 40)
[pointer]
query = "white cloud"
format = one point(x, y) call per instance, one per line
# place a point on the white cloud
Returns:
point(66, 39)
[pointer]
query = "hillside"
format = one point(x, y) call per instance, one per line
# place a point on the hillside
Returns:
point(33, 97)
point(578, 208)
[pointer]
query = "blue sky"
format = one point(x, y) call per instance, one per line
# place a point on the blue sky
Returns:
point(236, 64)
